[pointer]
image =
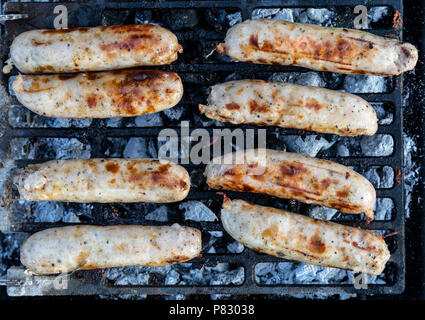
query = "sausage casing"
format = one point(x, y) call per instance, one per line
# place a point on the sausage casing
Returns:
point(340, 50)
point(293, 176)
point(296, 237)
point(104, 180)
point(291, 106)
point(66, 249)
point(93, 49)
point(123, 93)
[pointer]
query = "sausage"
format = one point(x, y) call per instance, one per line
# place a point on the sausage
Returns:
point(293, 176)
point(290, 106)
point(122, 93)
point(93, 49)
point(103, 180)
point(296, 237)
point(66, 249)
point(267, 41)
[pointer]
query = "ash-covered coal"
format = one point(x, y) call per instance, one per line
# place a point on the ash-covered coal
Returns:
point(342, 17)
point(49, 148)
point(21, 117)
point(358, 83)
point(197, 211)
point(303, 273)
point(180, 274)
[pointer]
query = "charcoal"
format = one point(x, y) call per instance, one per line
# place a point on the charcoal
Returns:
point(377, 145)
point(115, 17)
point(180, 19)
point(143, 16)
point(359, 83)
point(216, 19)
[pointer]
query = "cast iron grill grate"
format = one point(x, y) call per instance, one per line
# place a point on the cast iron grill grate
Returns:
point(32, 139)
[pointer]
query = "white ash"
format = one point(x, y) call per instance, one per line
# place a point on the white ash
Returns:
point(214, 236)
point(173, 278)
point(318, 16)
point(70, 217)
point(48, 211)
point(375, 14)
point(174, 113)
point(9, 249)
point(197, 211)
point(411, 171)
point(380, 177)
point(310, 145)
point(158, 214)
point(322, 213)
point(264, 13)
point(342, 150)
point(21, 117)
point(378, 145)
point(139, 148)
point(234, 18)
point(303, 273)
point(128, 275)
point(384, 117)
point(309, 78)
point(359, 83)
point(180, 274)
point(59, 148)
point(235, 247)
point(149, 120)
point(114, 122)
point(383, 209)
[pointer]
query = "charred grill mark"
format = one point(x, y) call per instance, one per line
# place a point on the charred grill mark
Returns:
point(343, 193)
point(266, 47)
point(91, 101)
point(292, 169)
point(366, 248)
point(41, 68)
point(232, 106)
point(306, 254)
point(91, 76)
point(271, 233)
point(316, 245)
point(112, 167)
point(298, 189)
point(132, 42)
point(406, 52)
point(313, 104)
point(254, 107)
point(362, 40)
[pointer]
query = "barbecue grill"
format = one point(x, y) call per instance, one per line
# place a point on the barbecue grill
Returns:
point(26, 138)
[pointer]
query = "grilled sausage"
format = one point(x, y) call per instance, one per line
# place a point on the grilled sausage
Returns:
point(293, 176)
point(93, 49)
point(296, 237)
point(290, 106)
point(318, 48)
point(104, 180)
point(123, 93)
point(60, 250)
